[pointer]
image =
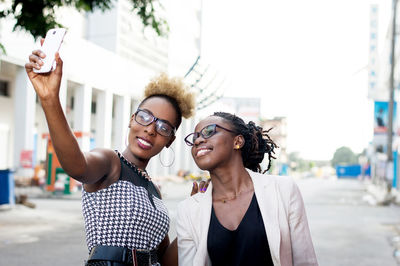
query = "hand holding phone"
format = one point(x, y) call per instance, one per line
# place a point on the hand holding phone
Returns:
point(45, 80)
point(51, 45)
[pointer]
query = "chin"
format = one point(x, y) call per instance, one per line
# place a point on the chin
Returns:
point(143, 155)
point(206, 166)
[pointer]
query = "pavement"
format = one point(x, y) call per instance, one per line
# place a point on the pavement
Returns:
point(346, 228)
point(54, 211)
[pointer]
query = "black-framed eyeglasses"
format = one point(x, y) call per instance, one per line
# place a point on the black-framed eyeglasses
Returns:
point(163, 127)
point(206, 132)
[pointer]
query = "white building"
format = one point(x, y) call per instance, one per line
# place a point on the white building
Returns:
point(108, 59)
point(379, 71)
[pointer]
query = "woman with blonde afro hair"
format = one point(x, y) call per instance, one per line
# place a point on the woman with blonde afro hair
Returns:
point(175, 91)
point(126, 222)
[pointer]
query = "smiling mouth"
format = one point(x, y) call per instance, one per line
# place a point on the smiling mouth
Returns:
point(202, 152)
point(144, 144)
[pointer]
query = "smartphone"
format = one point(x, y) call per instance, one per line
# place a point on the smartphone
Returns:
point(51, 45)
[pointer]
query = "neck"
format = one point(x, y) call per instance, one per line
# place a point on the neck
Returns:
point(138, 162)
point(230, 181)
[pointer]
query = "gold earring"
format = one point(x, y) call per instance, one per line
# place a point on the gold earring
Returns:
point(237, 147)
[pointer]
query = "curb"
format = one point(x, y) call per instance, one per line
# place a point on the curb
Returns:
point(381, 195)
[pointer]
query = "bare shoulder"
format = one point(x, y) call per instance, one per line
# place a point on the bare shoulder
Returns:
point(103, 152)
point(105, 165)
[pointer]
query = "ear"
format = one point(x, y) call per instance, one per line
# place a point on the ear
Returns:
point(131, 120)
point(238, 142)
point(170, 141)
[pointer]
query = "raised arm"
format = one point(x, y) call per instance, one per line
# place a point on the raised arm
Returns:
point(88, 168)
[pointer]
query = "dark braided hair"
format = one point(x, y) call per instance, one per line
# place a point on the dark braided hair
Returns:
point(257, 142)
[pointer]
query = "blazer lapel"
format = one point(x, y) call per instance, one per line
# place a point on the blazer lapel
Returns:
point(205, 202)
point(265, 191)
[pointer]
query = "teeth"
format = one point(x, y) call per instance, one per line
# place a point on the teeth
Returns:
point(144, 142)
point(202, 152)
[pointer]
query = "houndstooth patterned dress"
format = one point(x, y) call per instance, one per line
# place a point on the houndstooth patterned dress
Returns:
point(129, 213)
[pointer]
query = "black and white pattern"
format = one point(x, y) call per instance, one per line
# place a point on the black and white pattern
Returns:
point(123, 215)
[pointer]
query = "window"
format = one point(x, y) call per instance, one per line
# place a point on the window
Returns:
point(4, 88)
point(72, 102)
point(93, 107)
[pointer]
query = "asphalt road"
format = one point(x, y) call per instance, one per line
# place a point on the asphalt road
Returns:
point(346, 230)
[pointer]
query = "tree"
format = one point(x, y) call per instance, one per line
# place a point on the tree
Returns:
point(344, 155)
point(38, 16)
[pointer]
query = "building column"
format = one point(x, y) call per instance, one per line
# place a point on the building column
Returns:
point(104, 119)
point(82, 113)
point(122, 112)
point(25, 103)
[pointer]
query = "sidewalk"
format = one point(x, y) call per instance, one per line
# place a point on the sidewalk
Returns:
point(379, 194)
point(171, 187)
point(54, 212)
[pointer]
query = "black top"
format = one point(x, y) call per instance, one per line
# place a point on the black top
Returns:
point(247, 245)
point(138, 179)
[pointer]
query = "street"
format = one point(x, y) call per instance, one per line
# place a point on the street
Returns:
point(346, 230)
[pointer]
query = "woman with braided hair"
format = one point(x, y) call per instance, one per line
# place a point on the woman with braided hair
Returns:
point(244, 217)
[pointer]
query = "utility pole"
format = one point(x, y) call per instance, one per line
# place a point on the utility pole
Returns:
point(391, 89)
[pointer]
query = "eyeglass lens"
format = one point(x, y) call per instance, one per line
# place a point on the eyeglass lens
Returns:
point(144, 118)
point(206, 133)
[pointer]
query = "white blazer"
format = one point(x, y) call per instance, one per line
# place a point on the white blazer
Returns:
point(283, 213)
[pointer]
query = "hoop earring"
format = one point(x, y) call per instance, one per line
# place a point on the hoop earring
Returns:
point(162, 159)
point(127, 136)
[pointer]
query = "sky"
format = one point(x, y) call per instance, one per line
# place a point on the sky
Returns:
point(306, 59)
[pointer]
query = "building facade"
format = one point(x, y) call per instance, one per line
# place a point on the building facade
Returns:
point(278, 134)
point(108, 59)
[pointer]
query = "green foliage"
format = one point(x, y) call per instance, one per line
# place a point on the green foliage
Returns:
point(344, 156)
point(145, 10)
point(298, 164)
point(2, 49)
point(38, 16)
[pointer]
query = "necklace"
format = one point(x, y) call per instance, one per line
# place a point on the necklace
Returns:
point(225, 199)
point(142, 172)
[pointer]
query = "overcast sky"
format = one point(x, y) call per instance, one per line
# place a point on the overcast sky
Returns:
point(307, 59)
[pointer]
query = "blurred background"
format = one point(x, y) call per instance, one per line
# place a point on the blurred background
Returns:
point(322, 74)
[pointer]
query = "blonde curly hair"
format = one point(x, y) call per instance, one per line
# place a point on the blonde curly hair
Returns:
point(175, 89)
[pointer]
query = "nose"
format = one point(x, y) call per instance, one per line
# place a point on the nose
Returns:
point(151, 129)
point(199, 140)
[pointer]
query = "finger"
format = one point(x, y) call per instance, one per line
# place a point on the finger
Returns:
point(39, 53)
point(202, 186)
point(195, 189)
point(41, 41)
point(59, 63)
point(30, 66)
point(35, 59)
point(207, 183)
